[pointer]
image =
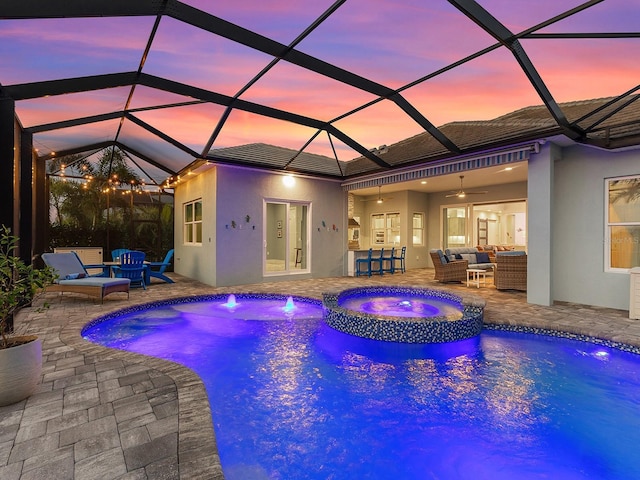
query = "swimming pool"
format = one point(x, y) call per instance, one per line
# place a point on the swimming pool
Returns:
point(292, 398)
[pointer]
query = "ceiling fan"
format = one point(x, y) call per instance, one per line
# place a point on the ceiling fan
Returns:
point(461, 193)
point(380, 198)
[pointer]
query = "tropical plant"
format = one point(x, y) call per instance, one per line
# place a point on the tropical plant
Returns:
point(20, 284)
point(101, 202)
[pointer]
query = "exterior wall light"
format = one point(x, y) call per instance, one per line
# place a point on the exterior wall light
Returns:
point(288, 181)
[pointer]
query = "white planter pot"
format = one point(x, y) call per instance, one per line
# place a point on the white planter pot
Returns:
point(20, 369)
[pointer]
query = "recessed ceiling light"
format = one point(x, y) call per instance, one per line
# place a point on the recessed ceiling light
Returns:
point(424, 182)
point(508, 169)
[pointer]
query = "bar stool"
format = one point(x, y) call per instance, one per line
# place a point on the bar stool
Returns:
point(389, 260)
point(380, 262)
point(403, 252)
point(366, 262)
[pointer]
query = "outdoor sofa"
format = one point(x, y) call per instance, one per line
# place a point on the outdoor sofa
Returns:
point(73, 277)
point(477, 260)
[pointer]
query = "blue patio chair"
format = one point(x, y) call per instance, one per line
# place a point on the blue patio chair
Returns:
point(117, 253)
point(132, 266)
point(156, 269)
point(400, 258)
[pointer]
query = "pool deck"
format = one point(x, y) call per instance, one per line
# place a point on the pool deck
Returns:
point(105, 414)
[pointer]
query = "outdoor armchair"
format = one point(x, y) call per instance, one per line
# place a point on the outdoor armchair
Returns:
point(132, 266)
point(446, 271)
point(511, 271)
point(156, 269)
point(117, 253)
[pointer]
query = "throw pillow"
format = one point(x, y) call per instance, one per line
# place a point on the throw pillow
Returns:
point(482, 257)
point(458, 256)
point(469, 257)
point(73, 276)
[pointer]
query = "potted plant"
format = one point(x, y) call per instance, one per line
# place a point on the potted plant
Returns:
point(20, 356)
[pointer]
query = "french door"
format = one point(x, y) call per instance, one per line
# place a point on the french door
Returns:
point(286, 237)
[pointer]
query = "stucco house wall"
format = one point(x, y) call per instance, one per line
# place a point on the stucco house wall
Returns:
point(197, 261)
point(235, 255)
point(579, 234)
point(565, 190)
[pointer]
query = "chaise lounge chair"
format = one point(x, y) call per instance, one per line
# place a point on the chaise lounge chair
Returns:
point(72, 277)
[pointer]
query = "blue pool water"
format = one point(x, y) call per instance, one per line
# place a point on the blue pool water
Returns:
point(402, 306)
point(293, 399)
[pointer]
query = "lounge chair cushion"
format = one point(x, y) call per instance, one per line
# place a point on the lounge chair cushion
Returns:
point(95, 281)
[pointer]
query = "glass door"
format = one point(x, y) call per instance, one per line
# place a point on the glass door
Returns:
point(286, 238)
point(454, 228)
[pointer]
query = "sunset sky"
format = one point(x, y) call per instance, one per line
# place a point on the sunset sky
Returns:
point(389, 42)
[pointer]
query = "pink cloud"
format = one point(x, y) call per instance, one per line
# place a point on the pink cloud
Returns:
point(307, 93)
point(65, 107)
point(190, 125)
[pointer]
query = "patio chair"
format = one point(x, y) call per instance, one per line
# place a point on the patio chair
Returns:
point(73, 277)
point(511, 271)
point(446, 271)
point(117, 253)
point(132, 266)
point(156, 269)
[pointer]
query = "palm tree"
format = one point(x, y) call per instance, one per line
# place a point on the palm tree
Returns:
point(626, 190)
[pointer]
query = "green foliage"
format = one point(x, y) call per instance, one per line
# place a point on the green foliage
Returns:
point(19, 283)
point(94, 205)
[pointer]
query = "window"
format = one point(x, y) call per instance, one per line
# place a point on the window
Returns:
point(622, 245)
point(385, 228)
point(193, 222)
point(418, 229)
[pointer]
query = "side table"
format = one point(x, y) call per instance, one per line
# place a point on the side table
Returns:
point(475, 276)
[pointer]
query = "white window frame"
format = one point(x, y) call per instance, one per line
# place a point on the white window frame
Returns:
point(608, 226)
point(384, 235)
point(419, 230)
point(191, 225)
